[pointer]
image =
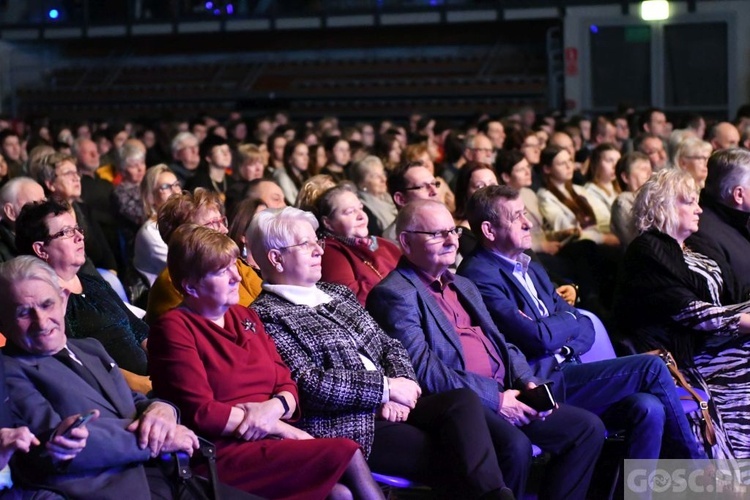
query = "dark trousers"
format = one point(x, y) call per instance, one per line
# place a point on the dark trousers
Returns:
point(445, 444)
point(572, 435)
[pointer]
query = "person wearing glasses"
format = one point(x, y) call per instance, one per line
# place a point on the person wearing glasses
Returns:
point(356, 382)
point(150, 251)
point(692, 156)
point(410, 181)
point(353, 257)
point(202, 207)
point(49, 231)
point(58, 175)
point(193, 350)
point(453, 343)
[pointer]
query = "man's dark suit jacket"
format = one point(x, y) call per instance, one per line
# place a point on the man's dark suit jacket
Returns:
point(42, 391)
point(404, 308)
point(538, 337)
point(724, 236)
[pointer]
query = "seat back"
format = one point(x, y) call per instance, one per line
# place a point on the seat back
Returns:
point(602, 348)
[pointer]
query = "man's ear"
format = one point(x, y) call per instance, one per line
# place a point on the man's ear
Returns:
point(488, 231)
point(38, 247)
point(9, 212)
point(739, 194)
point(65, 295)
point(50, 186)
point(399, 199)
point(403, 240)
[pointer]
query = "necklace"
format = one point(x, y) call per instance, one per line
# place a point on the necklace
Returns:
point(369, 264)
point(223, 188)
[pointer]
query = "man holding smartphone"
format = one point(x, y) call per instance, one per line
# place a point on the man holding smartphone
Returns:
point(453, 343)
point(50, 376)
point(634, 393)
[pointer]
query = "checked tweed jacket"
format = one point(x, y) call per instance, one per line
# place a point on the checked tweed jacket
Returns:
point(321, 346)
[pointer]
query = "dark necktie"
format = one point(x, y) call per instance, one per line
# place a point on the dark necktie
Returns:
point(64, 357)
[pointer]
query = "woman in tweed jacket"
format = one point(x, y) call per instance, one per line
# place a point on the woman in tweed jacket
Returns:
point(355, 381)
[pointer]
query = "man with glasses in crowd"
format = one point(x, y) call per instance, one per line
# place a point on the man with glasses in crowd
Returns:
point(453, 343)
point(408, 182)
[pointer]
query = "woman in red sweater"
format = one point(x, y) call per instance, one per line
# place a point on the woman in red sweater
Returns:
point(352, 258)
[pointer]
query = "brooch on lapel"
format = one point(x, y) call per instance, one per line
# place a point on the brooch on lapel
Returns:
point(248, 325)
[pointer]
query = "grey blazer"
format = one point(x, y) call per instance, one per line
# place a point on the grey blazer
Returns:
point(404, 308)
point(42, 391)
point(321, 346)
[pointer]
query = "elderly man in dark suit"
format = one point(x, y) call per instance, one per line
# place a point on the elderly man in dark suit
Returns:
point(50, 376)
point(452, 342)
point(635, 393)
point(724, 230)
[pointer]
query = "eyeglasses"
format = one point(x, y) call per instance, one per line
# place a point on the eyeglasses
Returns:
point(217, 223)
point(70, 174)
point(426, 185)
point(307, 245)
point(483, 150)
point(175, 186)
point(66, 232)
point(439, 235)
point(531, 146)
point(702, 158)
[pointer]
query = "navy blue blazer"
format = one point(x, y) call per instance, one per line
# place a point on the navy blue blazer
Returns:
point(538, 337)
point(404, 308)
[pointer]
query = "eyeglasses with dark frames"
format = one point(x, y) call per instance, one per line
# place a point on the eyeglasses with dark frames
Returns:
point(440, 234)
point(426, 185)
point(170, 187)
point(66, 232)
point(307, 245)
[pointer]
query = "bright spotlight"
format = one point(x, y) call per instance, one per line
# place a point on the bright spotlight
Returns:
point(53, 13)
point(654, 10)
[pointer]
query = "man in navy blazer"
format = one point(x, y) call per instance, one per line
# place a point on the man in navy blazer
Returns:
point(452, 342)
point(43, 388)
point(635, 393)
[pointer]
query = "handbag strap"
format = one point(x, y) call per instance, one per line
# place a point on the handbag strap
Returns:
point(710, 432)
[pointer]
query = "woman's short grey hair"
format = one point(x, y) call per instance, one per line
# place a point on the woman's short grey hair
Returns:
point(179, 141)
point(131, 151)
point(27, 267)
point(362, 168)
point(656, 201)
point(690, 146)
point(676, 138)
point(275, 228)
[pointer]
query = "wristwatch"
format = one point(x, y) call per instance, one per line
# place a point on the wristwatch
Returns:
point(283, 402)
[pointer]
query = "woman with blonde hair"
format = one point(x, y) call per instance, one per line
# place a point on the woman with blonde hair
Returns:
point(150, 251)
point(672, 297)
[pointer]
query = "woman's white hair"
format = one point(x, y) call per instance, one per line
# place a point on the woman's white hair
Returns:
point(273, 229)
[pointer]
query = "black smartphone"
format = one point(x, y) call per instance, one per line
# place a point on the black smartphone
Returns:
point(539, 398)
point(81, 420)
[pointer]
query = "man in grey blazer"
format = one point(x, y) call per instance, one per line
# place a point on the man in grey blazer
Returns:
point(451, 339)
point(50, 377)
